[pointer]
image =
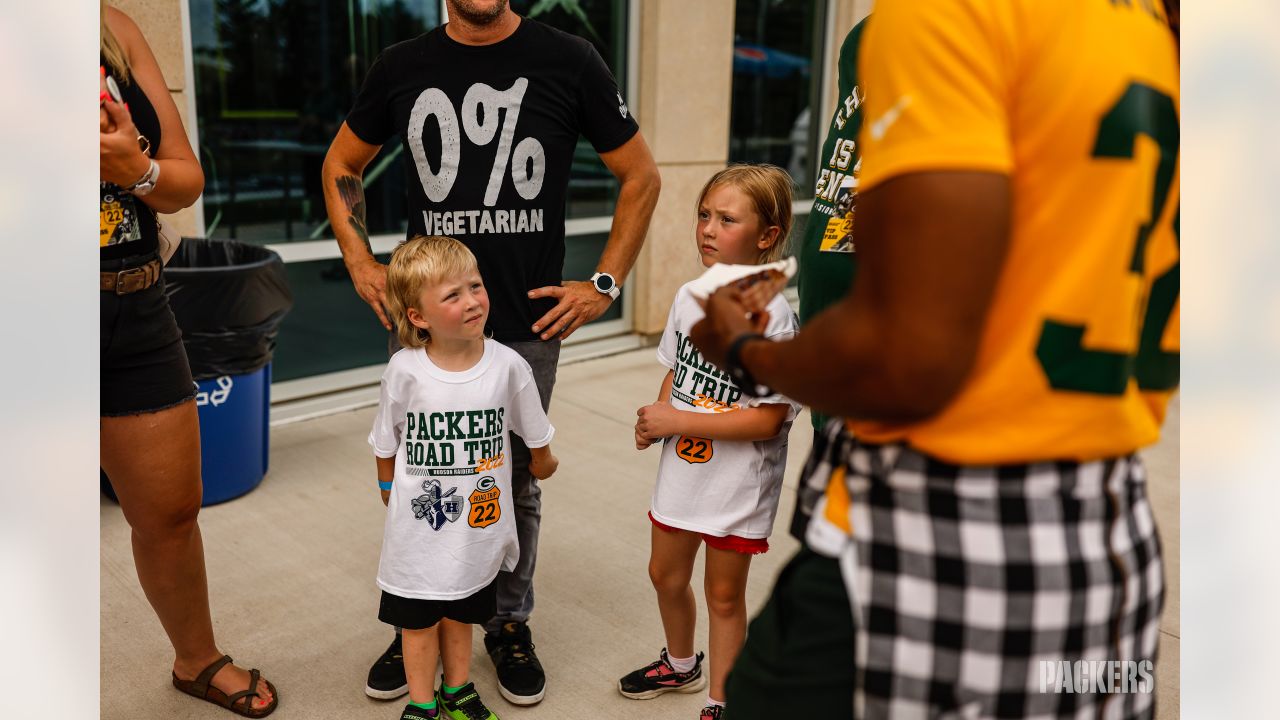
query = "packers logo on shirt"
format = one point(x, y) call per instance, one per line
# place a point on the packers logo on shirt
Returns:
point(485, 510)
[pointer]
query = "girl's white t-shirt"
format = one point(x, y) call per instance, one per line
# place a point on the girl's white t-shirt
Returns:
point(718, 487)
point(450, 520)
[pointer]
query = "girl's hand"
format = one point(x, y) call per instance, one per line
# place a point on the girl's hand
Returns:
point(386, 496)
point(121, 160)
point(642, 442)
point(658, 421)
point(542, 465)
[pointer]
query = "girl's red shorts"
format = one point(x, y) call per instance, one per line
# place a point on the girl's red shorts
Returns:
point(747, 546)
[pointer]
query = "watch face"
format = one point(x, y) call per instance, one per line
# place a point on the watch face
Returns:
point(604, 283)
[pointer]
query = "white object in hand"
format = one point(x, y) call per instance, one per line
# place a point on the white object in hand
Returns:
point(720, 274)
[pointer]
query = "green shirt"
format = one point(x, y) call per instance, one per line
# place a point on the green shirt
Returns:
point(827, 260)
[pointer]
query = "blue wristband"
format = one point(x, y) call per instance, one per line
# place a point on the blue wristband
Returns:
point(384, 485)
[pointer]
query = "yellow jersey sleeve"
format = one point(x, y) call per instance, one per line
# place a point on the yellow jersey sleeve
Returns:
point(938, 78)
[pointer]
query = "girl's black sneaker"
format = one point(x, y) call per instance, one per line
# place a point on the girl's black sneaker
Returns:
point(659, 677)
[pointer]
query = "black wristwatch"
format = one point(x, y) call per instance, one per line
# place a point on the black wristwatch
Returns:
point(742, 377)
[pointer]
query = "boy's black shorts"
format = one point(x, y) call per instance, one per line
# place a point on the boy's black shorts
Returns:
point(414, 614)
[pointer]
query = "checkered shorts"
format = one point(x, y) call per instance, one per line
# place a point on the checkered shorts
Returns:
point(963, 579)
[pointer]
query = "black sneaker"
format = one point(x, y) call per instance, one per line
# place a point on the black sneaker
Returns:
point(520, 677)
point(386, 677)
point(712, 712)
point(659, 677)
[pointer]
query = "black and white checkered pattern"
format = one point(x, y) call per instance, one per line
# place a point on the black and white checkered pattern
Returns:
point(963, 578)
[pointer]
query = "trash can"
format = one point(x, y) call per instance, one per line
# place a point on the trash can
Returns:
point(229, 299)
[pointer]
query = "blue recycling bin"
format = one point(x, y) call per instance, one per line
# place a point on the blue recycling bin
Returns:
point(235, 430)
point(229, 299)
point(235, 433)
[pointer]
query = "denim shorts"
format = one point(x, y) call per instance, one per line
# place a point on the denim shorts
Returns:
point(143, 364)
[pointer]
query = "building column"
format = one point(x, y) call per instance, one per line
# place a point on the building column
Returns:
point(686, 80)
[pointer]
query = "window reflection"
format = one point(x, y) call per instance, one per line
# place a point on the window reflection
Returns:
point(274, 80)
point(777, 67)
point(592, 188)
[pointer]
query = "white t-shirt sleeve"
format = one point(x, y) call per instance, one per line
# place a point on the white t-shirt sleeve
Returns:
point(388, 424)
point(526, 417)
point(783, 325)
point(667, 345)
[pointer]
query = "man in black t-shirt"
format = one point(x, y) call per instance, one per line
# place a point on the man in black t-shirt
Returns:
point(489, 108)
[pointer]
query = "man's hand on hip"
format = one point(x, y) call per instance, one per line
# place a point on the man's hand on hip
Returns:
point(370, 278)
point(579, 303)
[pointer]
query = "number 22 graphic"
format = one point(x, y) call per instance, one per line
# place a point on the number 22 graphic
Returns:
point(694, 450)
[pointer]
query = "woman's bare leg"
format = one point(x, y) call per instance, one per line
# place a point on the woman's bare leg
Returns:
point(153, 460)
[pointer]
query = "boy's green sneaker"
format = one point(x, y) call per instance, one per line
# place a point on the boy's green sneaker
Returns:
point(465, 705)
point(413, 712)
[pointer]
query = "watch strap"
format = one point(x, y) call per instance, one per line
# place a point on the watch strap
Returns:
point(147, 182)
point(742, 377)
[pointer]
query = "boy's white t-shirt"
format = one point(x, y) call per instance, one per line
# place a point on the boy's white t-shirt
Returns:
point(718, 487)
point(450, 520)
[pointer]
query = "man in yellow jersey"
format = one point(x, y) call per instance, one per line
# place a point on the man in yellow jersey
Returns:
point(1010, 342)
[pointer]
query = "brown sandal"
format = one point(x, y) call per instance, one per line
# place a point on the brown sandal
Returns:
point(201, 688)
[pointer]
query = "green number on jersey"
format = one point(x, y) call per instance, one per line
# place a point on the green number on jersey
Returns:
point(1142, 110)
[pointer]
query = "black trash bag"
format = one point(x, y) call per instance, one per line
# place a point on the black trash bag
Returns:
point(229, 299)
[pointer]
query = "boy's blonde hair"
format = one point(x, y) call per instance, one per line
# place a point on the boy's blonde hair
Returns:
point(422, 261)
point(769, 188)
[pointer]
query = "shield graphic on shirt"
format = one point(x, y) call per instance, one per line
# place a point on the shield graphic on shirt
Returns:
point(485, 508)
point(437, 507)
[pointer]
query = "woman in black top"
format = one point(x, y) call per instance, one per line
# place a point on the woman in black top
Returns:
point(149, 434)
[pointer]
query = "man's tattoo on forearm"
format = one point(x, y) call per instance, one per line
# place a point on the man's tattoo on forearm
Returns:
point(352, 192)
